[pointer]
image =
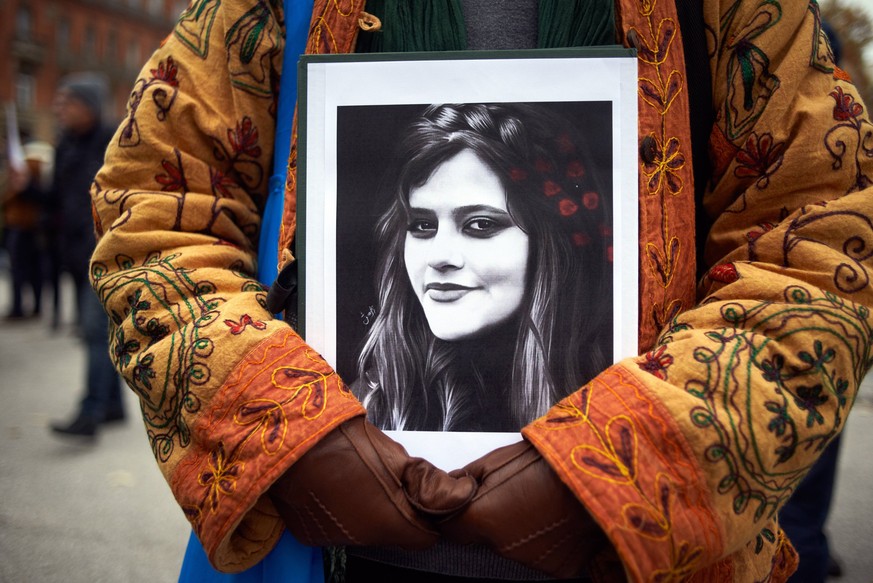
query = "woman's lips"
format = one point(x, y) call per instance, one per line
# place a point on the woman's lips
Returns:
point(446, 292)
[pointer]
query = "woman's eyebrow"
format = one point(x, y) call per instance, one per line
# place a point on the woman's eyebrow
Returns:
point(461, 211)
point(422, 211)
point(478, 208)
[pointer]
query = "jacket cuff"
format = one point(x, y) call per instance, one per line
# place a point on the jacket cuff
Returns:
point(277, 403)
point(618, 449)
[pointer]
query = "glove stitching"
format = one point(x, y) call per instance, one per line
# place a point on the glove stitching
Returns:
point(524, 540)
point(332, 519)
point(304, 523)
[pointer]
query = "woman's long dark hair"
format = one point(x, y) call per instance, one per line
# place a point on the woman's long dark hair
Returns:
point(408, 378)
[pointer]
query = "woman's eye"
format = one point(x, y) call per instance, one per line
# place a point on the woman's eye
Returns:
point(421, 228)
point(482, 227)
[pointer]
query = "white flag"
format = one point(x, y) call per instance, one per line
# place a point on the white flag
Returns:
point(13, 140)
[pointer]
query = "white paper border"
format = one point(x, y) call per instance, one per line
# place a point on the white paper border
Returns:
point(334, 84)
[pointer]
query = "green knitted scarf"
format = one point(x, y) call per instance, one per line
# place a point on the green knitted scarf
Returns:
point(438, 25)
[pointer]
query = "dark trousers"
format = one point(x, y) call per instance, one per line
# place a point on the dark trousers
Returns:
point(804, 516)
point(25, 257)
point(103, 385)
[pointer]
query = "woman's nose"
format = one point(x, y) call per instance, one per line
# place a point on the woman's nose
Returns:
point(444, 251)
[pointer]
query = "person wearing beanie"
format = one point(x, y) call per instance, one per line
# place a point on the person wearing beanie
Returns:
point(79, 108)
point(80, 96)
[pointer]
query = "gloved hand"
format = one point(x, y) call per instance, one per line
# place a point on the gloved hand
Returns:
point(524, 511)
point(359, 487)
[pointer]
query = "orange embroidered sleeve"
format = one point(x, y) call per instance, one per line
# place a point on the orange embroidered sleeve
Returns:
point(685, 454)
point(230, 397)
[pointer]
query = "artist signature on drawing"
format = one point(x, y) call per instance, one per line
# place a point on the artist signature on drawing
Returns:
point(368, 316)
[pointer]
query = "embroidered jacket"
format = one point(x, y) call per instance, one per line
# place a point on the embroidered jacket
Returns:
point(683, 454)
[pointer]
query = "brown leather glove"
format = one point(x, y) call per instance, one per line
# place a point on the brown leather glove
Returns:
point(359, 487)
point(525, 512)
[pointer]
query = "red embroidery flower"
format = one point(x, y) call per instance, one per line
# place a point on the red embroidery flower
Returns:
point(760, 158)
point(551, 188)
point(846, 108)
point(724, 273)
point(575, 169)
point(656, 362)
point(244, 322)
point(174, 178)
point(244, 139)
point(591, 200)
point(543, 166)
point(755, 233)
point(221, 477)
point(567, 207)
point(166, 72)
point(221, 183)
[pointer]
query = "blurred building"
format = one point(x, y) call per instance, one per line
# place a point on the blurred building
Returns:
point(43, 40)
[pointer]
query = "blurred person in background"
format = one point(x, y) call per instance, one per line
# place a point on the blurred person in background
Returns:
point(79, 106)
point(22, 210)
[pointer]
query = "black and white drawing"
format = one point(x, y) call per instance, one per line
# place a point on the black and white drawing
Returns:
point(463, 257)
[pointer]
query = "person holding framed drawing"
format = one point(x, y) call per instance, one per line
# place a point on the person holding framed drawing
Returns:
point(751, 150)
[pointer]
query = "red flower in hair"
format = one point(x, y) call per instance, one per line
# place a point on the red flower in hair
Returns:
point(551, 188)
point(567, 207)
point(543, 166)
point(575, 169)
point(590, 200)
point(565, 144)
point(517, 174)
point(581, 239)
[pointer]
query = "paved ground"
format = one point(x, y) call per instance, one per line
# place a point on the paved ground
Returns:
point(74, 513)
point(104, 513)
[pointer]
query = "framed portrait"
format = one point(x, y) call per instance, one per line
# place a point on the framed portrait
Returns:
point(467, 238)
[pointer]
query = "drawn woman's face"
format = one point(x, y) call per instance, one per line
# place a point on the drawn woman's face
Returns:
point(465, 255)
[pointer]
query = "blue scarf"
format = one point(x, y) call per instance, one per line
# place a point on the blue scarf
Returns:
point(289, 561)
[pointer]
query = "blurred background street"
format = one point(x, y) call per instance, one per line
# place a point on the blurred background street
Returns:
point(73, 511)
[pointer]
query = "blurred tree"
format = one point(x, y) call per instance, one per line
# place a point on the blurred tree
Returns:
point(854, 29)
